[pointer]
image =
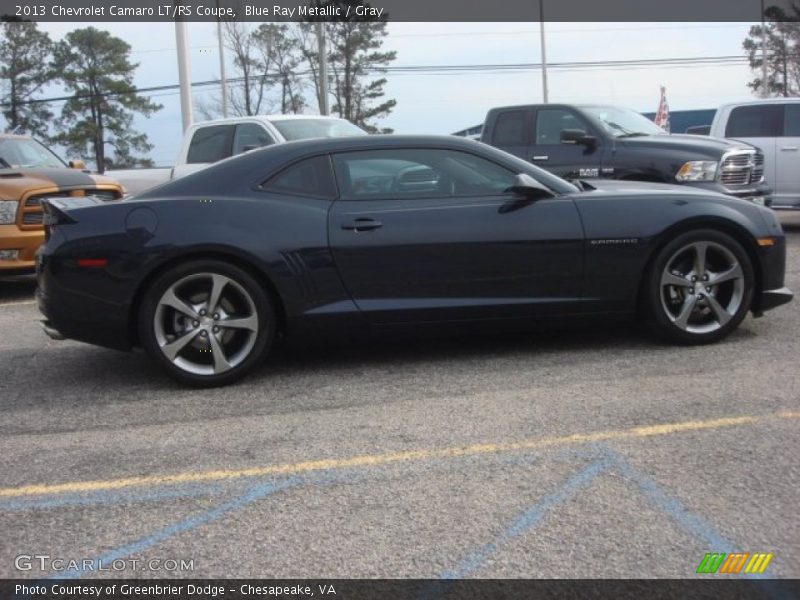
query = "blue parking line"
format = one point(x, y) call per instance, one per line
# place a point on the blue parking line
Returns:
point(253, 494)
point(691, 522)
point(527, 520)
point(670, 505)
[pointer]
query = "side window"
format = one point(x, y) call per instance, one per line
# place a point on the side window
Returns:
point(309, 177)
point(510, 128)
point(428, 173)
point(791, 121)
point(249, 136)
point(210, 144)
point(754, 121)
point(550, 122)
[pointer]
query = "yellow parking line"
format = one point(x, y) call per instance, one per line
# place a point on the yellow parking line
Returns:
point(371, 460)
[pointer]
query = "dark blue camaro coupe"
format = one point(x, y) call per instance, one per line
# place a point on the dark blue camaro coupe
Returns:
point(383, 233)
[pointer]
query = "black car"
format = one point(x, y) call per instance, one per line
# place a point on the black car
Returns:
point(381, 234)
point(580, 141)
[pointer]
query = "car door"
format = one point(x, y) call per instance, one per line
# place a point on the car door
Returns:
point(511, 131)
point(758, 125)
point(568, 160)
point(787, 159)
point(432, 235)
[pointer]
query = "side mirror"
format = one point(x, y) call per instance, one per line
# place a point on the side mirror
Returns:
point(527, 186)
point(77, 164)
point(577, 136)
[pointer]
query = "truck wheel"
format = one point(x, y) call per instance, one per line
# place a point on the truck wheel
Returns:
point(699, 288)
point(206, 322)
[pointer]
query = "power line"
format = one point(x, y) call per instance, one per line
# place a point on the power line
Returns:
point(677, 62)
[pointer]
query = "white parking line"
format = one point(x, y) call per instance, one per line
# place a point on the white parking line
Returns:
point(17, 303)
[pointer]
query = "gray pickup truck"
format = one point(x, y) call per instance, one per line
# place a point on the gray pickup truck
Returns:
point(587, 141)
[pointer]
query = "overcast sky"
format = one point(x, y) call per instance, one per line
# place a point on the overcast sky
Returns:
point(444, 103)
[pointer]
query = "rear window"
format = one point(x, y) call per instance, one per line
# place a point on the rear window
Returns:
point(754, 121)
point(791, 121)
point(304, 129)
point(309, 177)
point(509, 128)
point(210, 144)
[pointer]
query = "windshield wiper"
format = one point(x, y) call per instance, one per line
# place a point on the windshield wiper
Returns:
point(633, 134)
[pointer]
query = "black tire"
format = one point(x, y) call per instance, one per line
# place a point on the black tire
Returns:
point(717, 309)
point(242, 297)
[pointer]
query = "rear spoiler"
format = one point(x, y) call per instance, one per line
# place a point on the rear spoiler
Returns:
point(57, 208)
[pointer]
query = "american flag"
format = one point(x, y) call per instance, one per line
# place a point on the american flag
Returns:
point(662, 114)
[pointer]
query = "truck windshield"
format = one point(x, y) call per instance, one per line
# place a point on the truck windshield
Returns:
point(622, 122)
point(303, 129)
point(22, 153)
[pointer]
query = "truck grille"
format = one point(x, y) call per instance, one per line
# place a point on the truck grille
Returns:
point(32, 215)
point(742, 167)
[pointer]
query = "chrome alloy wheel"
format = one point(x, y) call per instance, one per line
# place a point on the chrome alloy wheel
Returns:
point(206, 324)
point(702, 287)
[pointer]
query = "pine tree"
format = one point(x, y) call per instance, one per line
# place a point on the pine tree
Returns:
point(96, 68)
point(25, 54)
point(783, 53)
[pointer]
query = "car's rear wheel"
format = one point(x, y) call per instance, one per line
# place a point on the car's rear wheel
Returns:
point(699, 288)
point(206, 322)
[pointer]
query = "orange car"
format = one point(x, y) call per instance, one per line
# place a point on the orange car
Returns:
point(29, 171)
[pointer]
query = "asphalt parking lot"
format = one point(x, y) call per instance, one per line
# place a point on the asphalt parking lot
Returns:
point(566, 454)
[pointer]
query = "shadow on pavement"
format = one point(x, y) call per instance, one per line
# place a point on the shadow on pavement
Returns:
point(17, 289)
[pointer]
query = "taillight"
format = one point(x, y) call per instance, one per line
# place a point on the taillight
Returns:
point(93, 263)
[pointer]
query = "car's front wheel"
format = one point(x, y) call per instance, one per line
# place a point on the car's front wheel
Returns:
point(699, 287)
point(206, 322)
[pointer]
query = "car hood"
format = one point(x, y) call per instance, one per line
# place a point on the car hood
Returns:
point(647, 189)
point(15, 182)
point(701, 145)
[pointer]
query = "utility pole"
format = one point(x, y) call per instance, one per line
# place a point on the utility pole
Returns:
point(223, 80)
point(184, 68)
point(764, 90)
point(544, 52)
point(323, 69)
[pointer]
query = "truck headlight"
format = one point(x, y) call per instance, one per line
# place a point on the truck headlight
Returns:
point(8, 211)
point(697, 170)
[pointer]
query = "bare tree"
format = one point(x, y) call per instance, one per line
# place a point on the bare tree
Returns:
point(247, 97)
point(281, 56)
point(309, 49)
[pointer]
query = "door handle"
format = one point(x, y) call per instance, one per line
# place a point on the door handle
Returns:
point(790, 148)
point(362, 224)
point(540, 158)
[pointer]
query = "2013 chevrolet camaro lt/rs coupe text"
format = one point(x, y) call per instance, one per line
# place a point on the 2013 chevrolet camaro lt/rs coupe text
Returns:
point(377, 234)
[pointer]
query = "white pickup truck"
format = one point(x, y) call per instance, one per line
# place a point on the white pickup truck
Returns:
point(773, 125)
point(210, 141)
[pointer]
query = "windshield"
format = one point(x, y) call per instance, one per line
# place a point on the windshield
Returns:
point(622, 122)
point(19, 153)
point(303, 129)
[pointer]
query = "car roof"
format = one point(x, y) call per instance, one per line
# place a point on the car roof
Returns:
point(265, 118)
point(361, 142)
point(564, 104)
point(757, 101)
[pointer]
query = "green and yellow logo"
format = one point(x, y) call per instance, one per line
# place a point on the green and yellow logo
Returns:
point(720, 562)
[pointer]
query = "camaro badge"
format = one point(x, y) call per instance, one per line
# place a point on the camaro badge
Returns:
point(614, 242)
